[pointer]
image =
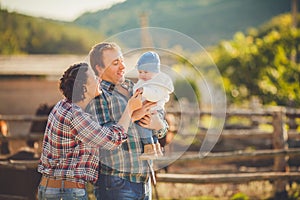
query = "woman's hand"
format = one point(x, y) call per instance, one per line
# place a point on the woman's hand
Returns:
point(140, 90)
point(135, 102)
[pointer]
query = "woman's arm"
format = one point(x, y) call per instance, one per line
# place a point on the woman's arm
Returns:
point(134, 103)
point(90, 132)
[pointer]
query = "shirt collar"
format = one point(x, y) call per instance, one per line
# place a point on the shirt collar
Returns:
point(108, 86)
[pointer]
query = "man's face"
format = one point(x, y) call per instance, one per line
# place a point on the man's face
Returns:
point(114, 66)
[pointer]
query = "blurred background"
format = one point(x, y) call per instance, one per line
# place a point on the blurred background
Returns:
point(255, 45)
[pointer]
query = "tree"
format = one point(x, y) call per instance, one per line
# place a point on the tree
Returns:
point(259, 64)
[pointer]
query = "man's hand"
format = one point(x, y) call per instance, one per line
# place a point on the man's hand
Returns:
point(152, 121)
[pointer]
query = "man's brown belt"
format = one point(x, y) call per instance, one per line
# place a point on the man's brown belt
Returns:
point(55, 183)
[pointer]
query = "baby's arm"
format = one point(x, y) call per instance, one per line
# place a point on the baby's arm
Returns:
point(154, 93)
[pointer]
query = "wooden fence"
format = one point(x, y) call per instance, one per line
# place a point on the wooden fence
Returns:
point(276, 127)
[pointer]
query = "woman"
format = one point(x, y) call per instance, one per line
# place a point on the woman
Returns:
point(72, 139)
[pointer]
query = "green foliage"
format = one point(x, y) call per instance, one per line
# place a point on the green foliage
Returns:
point(23, 34)
point(260, 64)
point(187, 89)
point(294, 191)
point(239, 196)
point(206, 21)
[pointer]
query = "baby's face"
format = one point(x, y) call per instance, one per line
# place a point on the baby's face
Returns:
point(146, 75)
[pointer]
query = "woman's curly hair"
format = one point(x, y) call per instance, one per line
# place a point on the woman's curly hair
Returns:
point(73, 82)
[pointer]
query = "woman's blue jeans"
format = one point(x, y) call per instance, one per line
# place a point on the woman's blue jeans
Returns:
point(61, 193)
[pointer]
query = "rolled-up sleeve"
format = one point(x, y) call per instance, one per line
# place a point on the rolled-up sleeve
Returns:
point(163, 131)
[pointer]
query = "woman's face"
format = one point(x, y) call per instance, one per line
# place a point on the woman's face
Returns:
point(92, 84)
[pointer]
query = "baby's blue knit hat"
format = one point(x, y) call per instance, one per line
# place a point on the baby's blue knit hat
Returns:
point(149, 61)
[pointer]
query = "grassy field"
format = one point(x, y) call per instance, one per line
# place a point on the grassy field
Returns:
point(256, 190)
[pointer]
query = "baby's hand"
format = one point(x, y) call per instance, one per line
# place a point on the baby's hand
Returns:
point(140, 90)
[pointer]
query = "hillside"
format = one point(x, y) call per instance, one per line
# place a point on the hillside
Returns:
point(21, 34)
point(207, 21)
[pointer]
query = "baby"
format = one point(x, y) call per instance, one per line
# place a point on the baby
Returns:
point(155, 86)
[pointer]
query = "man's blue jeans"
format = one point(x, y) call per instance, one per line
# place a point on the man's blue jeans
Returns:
point(114, 188)
point(61, 193)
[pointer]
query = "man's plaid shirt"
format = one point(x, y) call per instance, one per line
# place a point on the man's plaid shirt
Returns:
point(71, 144)
point(124, 161)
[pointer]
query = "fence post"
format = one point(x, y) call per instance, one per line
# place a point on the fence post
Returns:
point(280, 138)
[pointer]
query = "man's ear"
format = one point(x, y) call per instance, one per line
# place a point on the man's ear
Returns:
point(99, 70)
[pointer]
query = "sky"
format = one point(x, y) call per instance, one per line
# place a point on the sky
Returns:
point(64, 10)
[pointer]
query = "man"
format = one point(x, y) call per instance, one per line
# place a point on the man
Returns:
point(122, 174)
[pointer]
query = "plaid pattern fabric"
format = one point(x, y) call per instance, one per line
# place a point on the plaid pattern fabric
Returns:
point(124, 161)
point(71, 143)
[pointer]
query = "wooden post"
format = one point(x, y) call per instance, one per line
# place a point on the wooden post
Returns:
point(294, 13)
point(280, 138)
point(145, 35)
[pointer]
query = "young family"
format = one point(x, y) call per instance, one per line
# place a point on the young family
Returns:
point(106, 129)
